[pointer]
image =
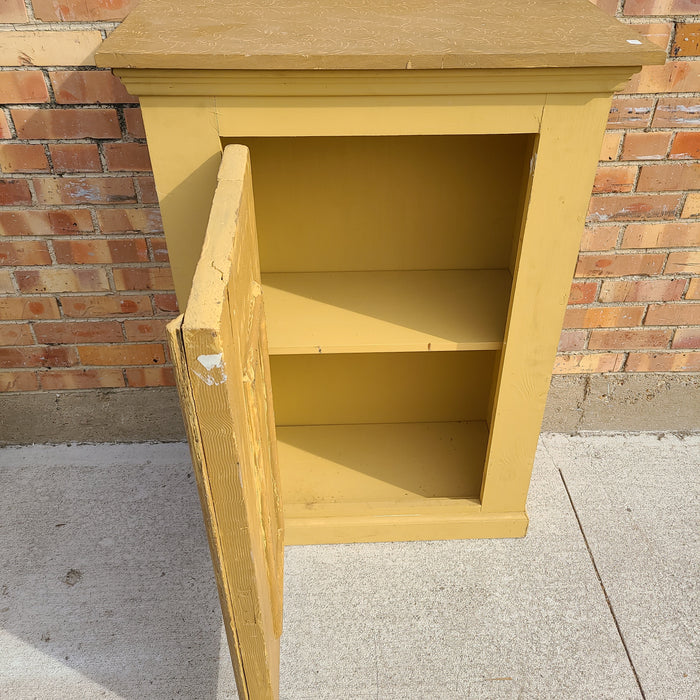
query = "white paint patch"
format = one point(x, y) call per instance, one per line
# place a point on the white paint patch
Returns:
point(633, 41)
point(214, 364)
point(209, 380)
point(211, 361)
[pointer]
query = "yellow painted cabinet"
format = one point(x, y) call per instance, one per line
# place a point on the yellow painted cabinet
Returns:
point(366, 349)
point(413, 287)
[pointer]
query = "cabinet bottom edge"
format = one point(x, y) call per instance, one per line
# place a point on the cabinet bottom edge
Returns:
point(403, 528)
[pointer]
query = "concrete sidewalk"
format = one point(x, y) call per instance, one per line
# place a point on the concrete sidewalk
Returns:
point(106, 589)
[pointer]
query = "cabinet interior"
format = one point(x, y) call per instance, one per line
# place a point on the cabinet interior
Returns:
point(387, 266)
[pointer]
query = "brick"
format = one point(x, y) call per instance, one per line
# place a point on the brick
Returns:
point(134, 122)
point(681, 314)
point(122, 355)
point(160, 249)
point(686, 145)
point(683, 263)
point(670, 235)
point(570, 341)
point(59, 280)
point(661, 7)
point(604, 317)
point(72, 332)
point(18, 381)
point(691, 207)
point(611, 146)
point(33, 123)
point(130, 220)
point(67, 379)
point(148, 190)
point(693, 291)
point(634, 113)
point(139, 278)
point(657, 32)
point(45, 223)
point(671, 176)
point(89, 87)
point(588, 364)
point(620, 265)
point(686, 339)
point(14, 192)
point(673, 76)
point(150, 376)
point(104, 306)
point(6, 286)
point(5, 131)
point(22, 158)
point(38, 356)
point(23, 308)
point(15, 334)
point(631, 207)
point(687, 41)
point(677, 112)
point(583, 292)
point(84, 190)
point(663, 362)
point(643, 145)
point(145, 329)
point(166, 303)
point(127, 156)
point(23, 87)
point(82, 10)
point(637, 339)
point(75, 157)
point(615, 179)
point(40, 48)
point(641, 290)
point(13, 12)
point(22, 252)
point(600, 237)
point(92, 251)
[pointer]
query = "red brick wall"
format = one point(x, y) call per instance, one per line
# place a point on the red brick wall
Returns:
point(85, 287)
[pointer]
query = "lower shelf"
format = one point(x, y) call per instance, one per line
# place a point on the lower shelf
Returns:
point(387, 482)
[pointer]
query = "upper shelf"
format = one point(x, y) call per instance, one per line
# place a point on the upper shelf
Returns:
point(399, 311)
point(361, 35)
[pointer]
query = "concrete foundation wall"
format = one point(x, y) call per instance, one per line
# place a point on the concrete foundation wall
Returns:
point(631, 402)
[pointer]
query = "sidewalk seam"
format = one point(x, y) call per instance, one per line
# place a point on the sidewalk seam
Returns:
point(602, 585)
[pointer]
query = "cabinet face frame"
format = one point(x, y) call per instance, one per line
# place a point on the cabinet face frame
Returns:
point(187, 114)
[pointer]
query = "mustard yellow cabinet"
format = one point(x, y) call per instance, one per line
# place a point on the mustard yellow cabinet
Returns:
point(368, 337)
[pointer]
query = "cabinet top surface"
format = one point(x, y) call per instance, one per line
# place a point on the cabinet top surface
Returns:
point(372, 34)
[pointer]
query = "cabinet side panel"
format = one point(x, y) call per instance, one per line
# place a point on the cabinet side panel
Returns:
point(567, 154)
point(184, 145)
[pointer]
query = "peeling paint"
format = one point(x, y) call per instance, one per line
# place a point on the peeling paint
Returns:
point(211, 361)
point(214, 366)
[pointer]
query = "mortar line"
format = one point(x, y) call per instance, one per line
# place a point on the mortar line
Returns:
point(602, 586)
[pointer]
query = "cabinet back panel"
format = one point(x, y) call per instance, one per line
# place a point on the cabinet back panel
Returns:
point(387, 202)
point(381, 387)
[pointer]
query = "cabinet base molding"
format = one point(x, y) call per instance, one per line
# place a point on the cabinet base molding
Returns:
point(303, 528)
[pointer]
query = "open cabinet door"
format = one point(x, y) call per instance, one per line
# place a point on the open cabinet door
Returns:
point(219, 349)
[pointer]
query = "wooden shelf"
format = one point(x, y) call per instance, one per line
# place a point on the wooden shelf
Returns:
point(393, 311)
point(401, 462)
point(379, 482)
